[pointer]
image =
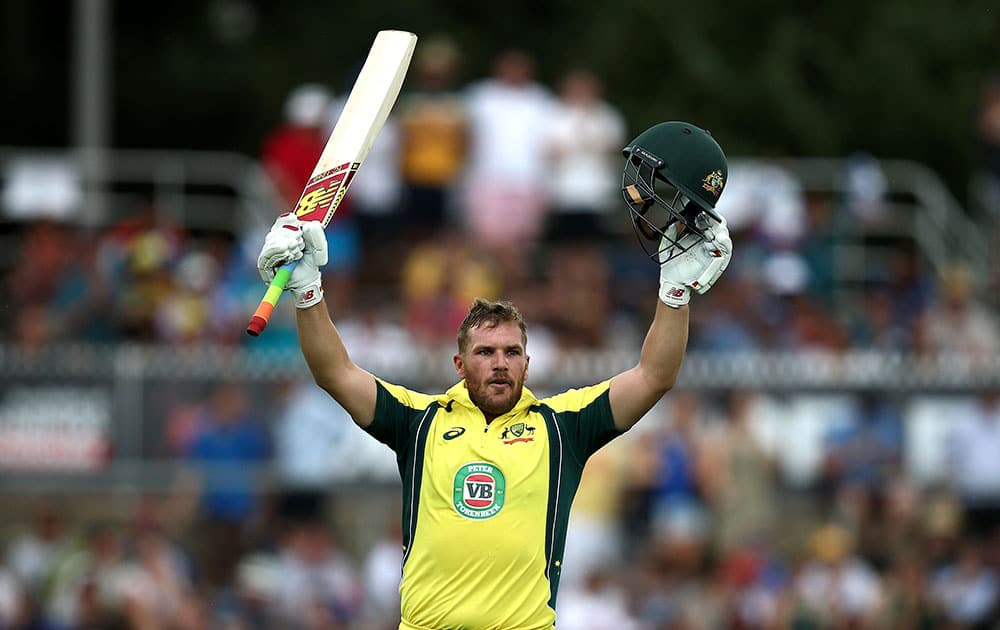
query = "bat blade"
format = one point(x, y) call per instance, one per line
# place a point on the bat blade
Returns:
point(364, 114)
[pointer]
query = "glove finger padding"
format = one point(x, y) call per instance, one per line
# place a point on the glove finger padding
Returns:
point(699, 266)
point(306, 283)
point(719, 251)
point(314, 239)
point(283, 244)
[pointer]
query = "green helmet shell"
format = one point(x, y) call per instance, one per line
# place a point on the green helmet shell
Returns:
point(692, 161)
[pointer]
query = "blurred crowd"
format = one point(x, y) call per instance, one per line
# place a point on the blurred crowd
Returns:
point(700, 517)
point(502, 187)
point(712, 513)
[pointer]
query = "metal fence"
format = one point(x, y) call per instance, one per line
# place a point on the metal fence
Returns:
point(110, 417)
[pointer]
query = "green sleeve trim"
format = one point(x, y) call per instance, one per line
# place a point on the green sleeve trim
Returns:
point(588, 427)
point(412, 474)
point(565, 472)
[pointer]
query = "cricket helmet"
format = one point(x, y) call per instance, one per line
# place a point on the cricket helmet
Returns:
point(674, 171)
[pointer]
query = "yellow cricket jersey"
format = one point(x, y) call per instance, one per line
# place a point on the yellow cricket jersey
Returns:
point(485, 508)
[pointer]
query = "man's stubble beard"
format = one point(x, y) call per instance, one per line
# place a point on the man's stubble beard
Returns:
point(493, 407)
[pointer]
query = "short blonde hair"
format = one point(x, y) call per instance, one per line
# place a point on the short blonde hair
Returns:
point(488, 313)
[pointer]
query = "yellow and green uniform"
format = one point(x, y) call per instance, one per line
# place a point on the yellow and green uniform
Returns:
point(485, 507)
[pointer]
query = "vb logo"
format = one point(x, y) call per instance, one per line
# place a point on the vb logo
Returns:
point(479, 491)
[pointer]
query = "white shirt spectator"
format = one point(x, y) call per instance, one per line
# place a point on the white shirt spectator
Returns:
point(850, 588)
point(585, 140)
point(767, 197)
point(317, 443)
point(382, 573)
point(597, 605)
point(974, 454)
point(509, 119)
point(508, 125)
point(11, 601)
point(968, 595)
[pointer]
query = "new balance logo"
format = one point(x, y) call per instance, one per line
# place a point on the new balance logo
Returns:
point(675, 292)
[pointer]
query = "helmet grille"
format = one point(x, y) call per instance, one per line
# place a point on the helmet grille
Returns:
point(655, 205)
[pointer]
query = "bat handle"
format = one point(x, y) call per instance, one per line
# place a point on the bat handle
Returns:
point(263, 313)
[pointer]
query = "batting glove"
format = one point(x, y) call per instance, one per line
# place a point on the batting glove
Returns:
point(697, 268)
point(292, 240)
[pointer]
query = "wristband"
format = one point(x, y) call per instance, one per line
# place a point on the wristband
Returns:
point(674, 295)
point(308, 295)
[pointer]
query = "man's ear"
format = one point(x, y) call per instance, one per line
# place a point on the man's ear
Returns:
point(459, 366)
point(527, 360)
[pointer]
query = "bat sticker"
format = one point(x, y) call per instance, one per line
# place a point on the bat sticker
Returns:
point(323, 193)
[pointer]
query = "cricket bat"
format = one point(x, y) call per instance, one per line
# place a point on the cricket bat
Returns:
point(363, 116)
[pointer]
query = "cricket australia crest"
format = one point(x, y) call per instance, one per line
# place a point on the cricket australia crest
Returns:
point(714, 182)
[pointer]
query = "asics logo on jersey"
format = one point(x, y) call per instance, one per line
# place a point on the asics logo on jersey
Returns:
point(453, 433)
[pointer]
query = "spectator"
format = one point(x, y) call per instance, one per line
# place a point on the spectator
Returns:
point(866, 450)
point(509, 117)
point(186, 317)
point(680, 520)
point(230, 438)
point(86, 588)
point(907, 602)
point(316, 444)
point(584, 148)
point(68, 296)
point(434, 137)
point(766, 202)
point(14, 609)
point(600, 603)
point(865, 190)
point(252, 602)
point(381, 577)
point(594, 541)
point(973, 464)
point(318, 586)
point(31, 554)
point(157, 589)
point(836, 588)
point(957, 322)
point(140, 251)
point(863, 456)
point(968, 591)
point(439, 281)
point(878, 328)
point(732, 322)
point(819, 248)
point(291, 150)
point(740, 482)
point(910, 287)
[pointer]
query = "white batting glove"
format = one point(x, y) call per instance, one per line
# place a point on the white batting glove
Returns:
point(289, 240)
point(699, 267)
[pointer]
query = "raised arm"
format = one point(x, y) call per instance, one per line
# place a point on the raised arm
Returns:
point(635, 391)
point(331, 367)
point(324, 351)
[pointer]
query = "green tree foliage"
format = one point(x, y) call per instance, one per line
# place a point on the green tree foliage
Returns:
point(898, 78)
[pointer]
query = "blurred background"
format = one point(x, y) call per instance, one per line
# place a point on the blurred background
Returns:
point(829, 459)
